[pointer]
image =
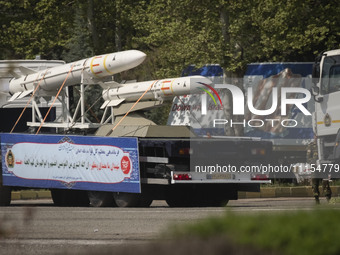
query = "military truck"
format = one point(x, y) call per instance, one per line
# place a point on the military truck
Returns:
point(129, 161)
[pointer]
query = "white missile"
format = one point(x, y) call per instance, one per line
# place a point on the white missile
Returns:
point(86, 71)
point(161, 90)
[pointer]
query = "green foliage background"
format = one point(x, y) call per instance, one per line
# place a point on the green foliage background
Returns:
point(293, 233)
point(173, 33)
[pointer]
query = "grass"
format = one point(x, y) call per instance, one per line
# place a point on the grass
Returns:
point(303, 233)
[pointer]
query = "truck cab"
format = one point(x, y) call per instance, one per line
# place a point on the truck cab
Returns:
point(326, 119)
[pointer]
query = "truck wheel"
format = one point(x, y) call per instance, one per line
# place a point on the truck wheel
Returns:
point(176, 202)
point(217, 203)
point(123, 199)
point(101, 199)
point(196, 196)
point(5, 192)
point(145, 202)
point(5, 195)
point(57, 197)
point(62, 197)
point(178, 199)
point(179, 196)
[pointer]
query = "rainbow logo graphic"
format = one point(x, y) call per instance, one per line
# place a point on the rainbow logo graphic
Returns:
point(209, 93)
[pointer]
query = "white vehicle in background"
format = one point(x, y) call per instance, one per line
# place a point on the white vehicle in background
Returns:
point(326, 120)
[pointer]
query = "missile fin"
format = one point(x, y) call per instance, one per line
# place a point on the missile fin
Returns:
point(25, 93)
point(26, 70)
point(114, 102)
point(110, 85)
point(14, 74)
point(15, 96)
point(104, 104)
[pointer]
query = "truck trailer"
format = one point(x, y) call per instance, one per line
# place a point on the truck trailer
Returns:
point(165, 163)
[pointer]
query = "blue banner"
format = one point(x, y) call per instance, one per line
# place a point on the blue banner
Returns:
point(71, 162)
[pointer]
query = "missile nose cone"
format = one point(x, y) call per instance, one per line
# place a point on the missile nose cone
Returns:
point(200, 82)
point(140, 55)
point(134, 56)
point(123, 60)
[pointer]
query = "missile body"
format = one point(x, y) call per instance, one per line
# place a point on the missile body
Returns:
point(91, 70)
point(160, 90)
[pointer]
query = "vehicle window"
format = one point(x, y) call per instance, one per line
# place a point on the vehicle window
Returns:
point(330, 75)
point(334, 79)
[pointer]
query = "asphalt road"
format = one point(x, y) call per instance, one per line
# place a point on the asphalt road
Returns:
point(37, 227)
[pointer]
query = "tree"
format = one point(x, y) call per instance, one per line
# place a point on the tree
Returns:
point(173, 33)
point(32, 28)
point(293, 30)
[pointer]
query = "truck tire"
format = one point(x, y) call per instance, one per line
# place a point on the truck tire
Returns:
point(123, 199)
point(57, 197)
point(5, 195)
point(62, 197)
point(101, 199)
point(217, 203)
point(177, 202)
point(179, 197)
point(5, 191)
point(145, 202)
point(196, 196)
